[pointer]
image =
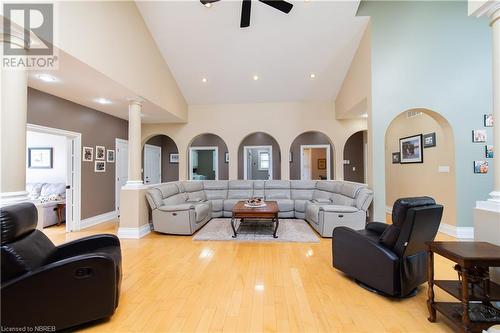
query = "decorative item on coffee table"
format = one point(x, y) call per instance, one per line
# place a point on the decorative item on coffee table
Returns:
point(473, 288)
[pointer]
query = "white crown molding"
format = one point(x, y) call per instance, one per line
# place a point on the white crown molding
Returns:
point(98, 219)
point(134, 233)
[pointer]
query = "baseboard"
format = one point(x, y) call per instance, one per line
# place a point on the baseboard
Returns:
point(388, 210)
point(134, 233)
point(457, 232)
point(94, 220)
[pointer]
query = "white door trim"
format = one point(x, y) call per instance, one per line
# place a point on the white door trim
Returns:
point(73, 216)
point(190, 173)
point(245, 159)
point(328, 159)
point(144, 159)
point(117, 162)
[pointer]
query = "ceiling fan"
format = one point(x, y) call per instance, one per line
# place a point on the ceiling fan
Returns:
point(246, 6)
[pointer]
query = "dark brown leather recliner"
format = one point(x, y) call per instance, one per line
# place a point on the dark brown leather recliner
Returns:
point(390, 259)
point(55, 286)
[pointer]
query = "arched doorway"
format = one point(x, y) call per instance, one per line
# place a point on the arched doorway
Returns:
point(259, 157)
point(355, 150)
point(207, 158)
point(312, 156)
point(428, 168)
point(160, 160)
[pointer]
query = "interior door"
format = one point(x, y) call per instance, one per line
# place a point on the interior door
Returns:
point(70, 181)
point(152, 164)
point(121, 169)
point(306, 164)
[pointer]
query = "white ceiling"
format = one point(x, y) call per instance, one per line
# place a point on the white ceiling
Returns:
point(318, 37)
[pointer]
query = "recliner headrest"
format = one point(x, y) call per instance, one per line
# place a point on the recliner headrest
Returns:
point(402, 205)
point(17, 220)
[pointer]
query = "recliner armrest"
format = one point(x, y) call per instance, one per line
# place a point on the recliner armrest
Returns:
point(175, 208)
point(84, 245)
point(377, 227)
point(359, 243)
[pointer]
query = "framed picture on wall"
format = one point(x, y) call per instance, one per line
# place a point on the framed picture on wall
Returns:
point(110, 156)
point(40, 158)
point(429, 140)
point(174, 158)
point(489, 151)
point(479, 136)
point(100, 152)
point(396, 158)
point(100, 166)
point(411, 149)
point(321, 163)
point(226, 157)
point(88, 154)
point(480, 167)
point(488, 120)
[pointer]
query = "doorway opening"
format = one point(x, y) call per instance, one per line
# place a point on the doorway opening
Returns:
point(258, 162)
point(203, 163)
point(315, 162)
point(355, 157)
point(152, 164)
point(53, 175)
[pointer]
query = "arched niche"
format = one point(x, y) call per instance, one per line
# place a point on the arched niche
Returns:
point(315, 146)
point(258, 144)
point(355, 157)
point(199, 151)
point(435, 176)
point(159, 155)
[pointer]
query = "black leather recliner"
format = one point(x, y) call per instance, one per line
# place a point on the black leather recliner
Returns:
point(390, 259)
point(57, 286)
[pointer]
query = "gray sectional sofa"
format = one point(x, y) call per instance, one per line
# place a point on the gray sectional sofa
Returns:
point(183, 207)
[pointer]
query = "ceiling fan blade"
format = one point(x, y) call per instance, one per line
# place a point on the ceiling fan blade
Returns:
point(204, 2)
point(281, 5)
point(246, 6)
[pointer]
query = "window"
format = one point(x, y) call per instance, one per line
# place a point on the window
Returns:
point(263, 160)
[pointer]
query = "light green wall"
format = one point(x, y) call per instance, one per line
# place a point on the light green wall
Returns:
point(431, 55)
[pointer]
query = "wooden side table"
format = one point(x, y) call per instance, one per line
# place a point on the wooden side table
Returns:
point(467, 255)
point(60, 207)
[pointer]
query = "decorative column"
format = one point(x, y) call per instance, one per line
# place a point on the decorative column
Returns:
point(13, 118)
point(134, 143)
point(487, 213)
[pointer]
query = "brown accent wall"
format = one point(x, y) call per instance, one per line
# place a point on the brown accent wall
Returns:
point(169, 171)
point(308, 138)
point(354, 152)
point(260, 139)
point(209, 140)
point(97, 128)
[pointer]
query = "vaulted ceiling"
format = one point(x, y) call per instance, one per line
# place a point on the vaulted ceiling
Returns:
point(283, 50)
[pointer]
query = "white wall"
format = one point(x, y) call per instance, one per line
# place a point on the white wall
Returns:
point(58, 173)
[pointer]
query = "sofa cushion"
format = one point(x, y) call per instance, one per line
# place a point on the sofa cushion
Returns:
point(168, 190)
point(277, 189)
point(229, 203)
point(154, 197)
point(175, 199)
point(258, 188)
point(285, 205)
point(312, 212)
point(240, 189)
point(202, 211)
point(349, 189)
point(34, 190)
point(192, 186)
point(49, 189)
point(302, 189)
point(217, 205)
point(364, 199)
point(340, 199)
point(196, 196)
point(215, 189)
point(300, 205)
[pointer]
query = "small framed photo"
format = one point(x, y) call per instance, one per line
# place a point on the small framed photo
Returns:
point(88, 154)
point(489, 151)
point(480, 167)
point(40, 158)
point(429, 140)
point(322, 163)
point(100, 152)
point(100, 166)
point(110, 156)
point(411, 149)
point(226, 157)
point(174, 158)
point(290, 157)
point(488, 120)
point(396, 158)
point(479, 136)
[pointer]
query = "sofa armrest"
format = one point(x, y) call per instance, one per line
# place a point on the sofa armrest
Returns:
point(84, 245)
point(339, 209)
point(377, 227)
point(175, 208)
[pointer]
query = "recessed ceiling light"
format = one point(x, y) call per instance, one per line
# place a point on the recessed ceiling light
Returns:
point(102, 100)
point(255, 77)
point(204, 80)
point(208, 5)
point(46, 78)
point(312, 76)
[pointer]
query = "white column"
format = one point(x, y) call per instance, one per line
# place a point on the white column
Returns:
point(13, 117)
point(134, 143)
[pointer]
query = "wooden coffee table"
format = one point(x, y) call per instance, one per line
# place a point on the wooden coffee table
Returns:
point(268, 212)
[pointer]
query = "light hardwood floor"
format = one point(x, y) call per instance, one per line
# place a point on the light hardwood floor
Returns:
point(174, 284)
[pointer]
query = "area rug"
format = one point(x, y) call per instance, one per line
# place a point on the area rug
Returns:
point(289, 230)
